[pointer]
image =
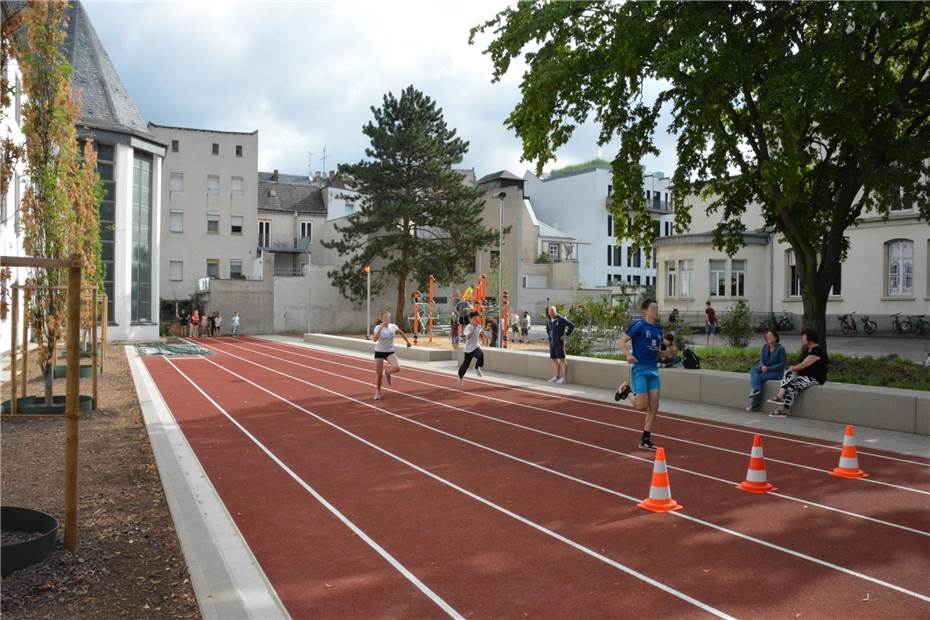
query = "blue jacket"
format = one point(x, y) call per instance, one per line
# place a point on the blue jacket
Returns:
point(775, 360)
point(558, 327)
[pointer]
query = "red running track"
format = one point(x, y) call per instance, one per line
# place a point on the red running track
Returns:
point(502, 502)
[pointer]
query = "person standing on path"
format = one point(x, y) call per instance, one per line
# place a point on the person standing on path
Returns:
point(558, 328)
point(195, 324)
point(710, 322)
point(234, 323)
point(383, 336)
point(473, 350)
point(645, 336)
point(771, 367)
point(810, 371)
point(525, 323)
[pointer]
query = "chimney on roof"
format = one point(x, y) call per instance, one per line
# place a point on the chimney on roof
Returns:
point(317, 176)
point(332, 175)
point(274, 176)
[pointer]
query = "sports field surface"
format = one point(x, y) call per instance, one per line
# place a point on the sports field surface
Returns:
point(493, 501)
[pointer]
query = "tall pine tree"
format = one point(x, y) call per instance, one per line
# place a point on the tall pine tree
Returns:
point(416, 216)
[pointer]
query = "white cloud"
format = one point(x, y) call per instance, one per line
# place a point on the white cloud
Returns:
point(305, 74)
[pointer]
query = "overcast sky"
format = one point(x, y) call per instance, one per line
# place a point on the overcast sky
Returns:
point(306, 73)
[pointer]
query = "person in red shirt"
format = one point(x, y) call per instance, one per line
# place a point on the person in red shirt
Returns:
point(710, 322)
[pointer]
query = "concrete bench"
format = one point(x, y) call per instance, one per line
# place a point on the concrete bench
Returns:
point(420, 354)
point(877, 407)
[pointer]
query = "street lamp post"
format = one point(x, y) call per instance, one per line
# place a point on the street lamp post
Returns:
point(500, 258)
point(368, 302)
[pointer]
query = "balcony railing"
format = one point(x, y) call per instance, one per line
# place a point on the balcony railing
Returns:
point(284, 244)
point(289, 272)
point(655, 206)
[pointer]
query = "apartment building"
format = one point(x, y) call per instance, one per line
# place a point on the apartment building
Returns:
point(209, 219)
point(291, 219)
point(579, 203)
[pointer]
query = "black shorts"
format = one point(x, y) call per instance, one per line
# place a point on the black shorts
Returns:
point(383, 355)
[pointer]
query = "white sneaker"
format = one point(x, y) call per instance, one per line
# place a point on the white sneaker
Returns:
point(461, 382)
point(553, 379)
point(377, 395)
point(560, 380)
point(478, 370)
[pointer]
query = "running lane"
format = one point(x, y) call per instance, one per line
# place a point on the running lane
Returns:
point(689, 555)
point(478, 560)
point(727, 466)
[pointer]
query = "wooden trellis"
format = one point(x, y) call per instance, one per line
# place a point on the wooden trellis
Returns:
point(74, 265)
point(98, 357)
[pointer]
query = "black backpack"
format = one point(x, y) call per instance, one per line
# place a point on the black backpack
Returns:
point(691, 360)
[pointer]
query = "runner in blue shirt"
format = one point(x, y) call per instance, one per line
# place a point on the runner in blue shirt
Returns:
point(646, 338)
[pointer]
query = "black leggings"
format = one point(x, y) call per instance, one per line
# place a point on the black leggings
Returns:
point(477, 355)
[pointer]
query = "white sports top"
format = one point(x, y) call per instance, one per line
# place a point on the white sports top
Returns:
point(472, 338)
point(385, 337)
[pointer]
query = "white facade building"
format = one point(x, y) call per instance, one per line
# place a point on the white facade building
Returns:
point(209, 224)
point(579, 204)
point(11, 241)
point(887, 269)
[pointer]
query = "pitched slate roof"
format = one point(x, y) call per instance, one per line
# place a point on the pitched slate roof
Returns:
point(290, 197)
point(105, 102)
point(500, 174)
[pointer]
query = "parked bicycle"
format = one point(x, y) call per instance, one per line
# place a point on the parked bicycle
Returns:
point(901, 326)
point(783, 324)
point(848, 324)
point(921, 325)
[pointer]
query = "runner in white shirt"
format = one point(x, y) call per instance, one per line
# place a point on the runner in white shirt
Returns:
point(383, 335)
point(472, 346)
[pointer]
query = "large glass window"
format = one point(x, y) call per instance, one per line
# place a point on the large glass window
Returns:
point(106, 169)
point(738, 278)
point(718, 278)
point(235, 269)
point(264, 234)
point(141, 298)
point(686, 267)
point(900, 261)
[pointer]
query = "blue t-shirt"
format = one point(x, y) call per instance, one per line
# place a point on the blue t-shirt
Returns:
point(647, 341)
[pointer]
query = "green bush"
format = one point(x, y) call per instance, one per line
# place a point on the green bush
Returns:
point(580, 342)
point(736, 325)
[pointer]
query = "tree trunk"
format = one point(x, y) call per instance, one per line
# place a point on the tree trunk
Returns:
point(49, 372)
point(814, 292)
point(399, 318)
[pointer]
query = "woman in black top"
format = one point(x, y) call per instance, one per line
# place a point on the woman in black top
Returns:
point(811, 369)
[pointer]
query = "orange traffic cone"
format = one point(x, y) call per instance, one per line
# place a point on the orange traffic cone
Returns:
point(660, 493)
point(756, 481)
point(849, 461)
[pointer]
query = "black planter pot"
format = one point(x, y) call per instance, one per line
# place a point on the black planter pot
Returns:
point(20, 555)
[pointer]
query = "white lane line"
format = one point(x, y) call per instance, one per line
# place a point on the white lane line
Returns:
point(590, 401)
point(554, 472)
point(335, 511)
point(487, 502)
point(601, 423)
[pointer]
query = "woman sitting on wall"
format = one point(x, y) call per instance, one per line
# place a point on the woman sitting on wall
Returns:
point(771, 367)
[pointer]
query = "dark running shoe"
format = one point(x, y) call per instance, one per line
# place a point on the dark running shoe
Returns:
point(623, 392)
point(646, 444)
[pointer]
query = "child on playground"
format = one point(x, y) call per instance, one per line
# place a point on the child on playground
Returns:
point(383, 335)
point(472, 335)
point(234, 323)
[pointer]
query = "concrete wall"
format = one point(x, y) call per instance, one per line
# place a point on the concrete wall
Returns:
point(252, 299)
point(194, 245)
point(358, 344)
point(906, 411)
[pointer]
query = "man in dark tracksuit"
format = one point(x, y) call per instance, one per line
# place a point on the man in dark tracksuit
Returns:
point(558, 328)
